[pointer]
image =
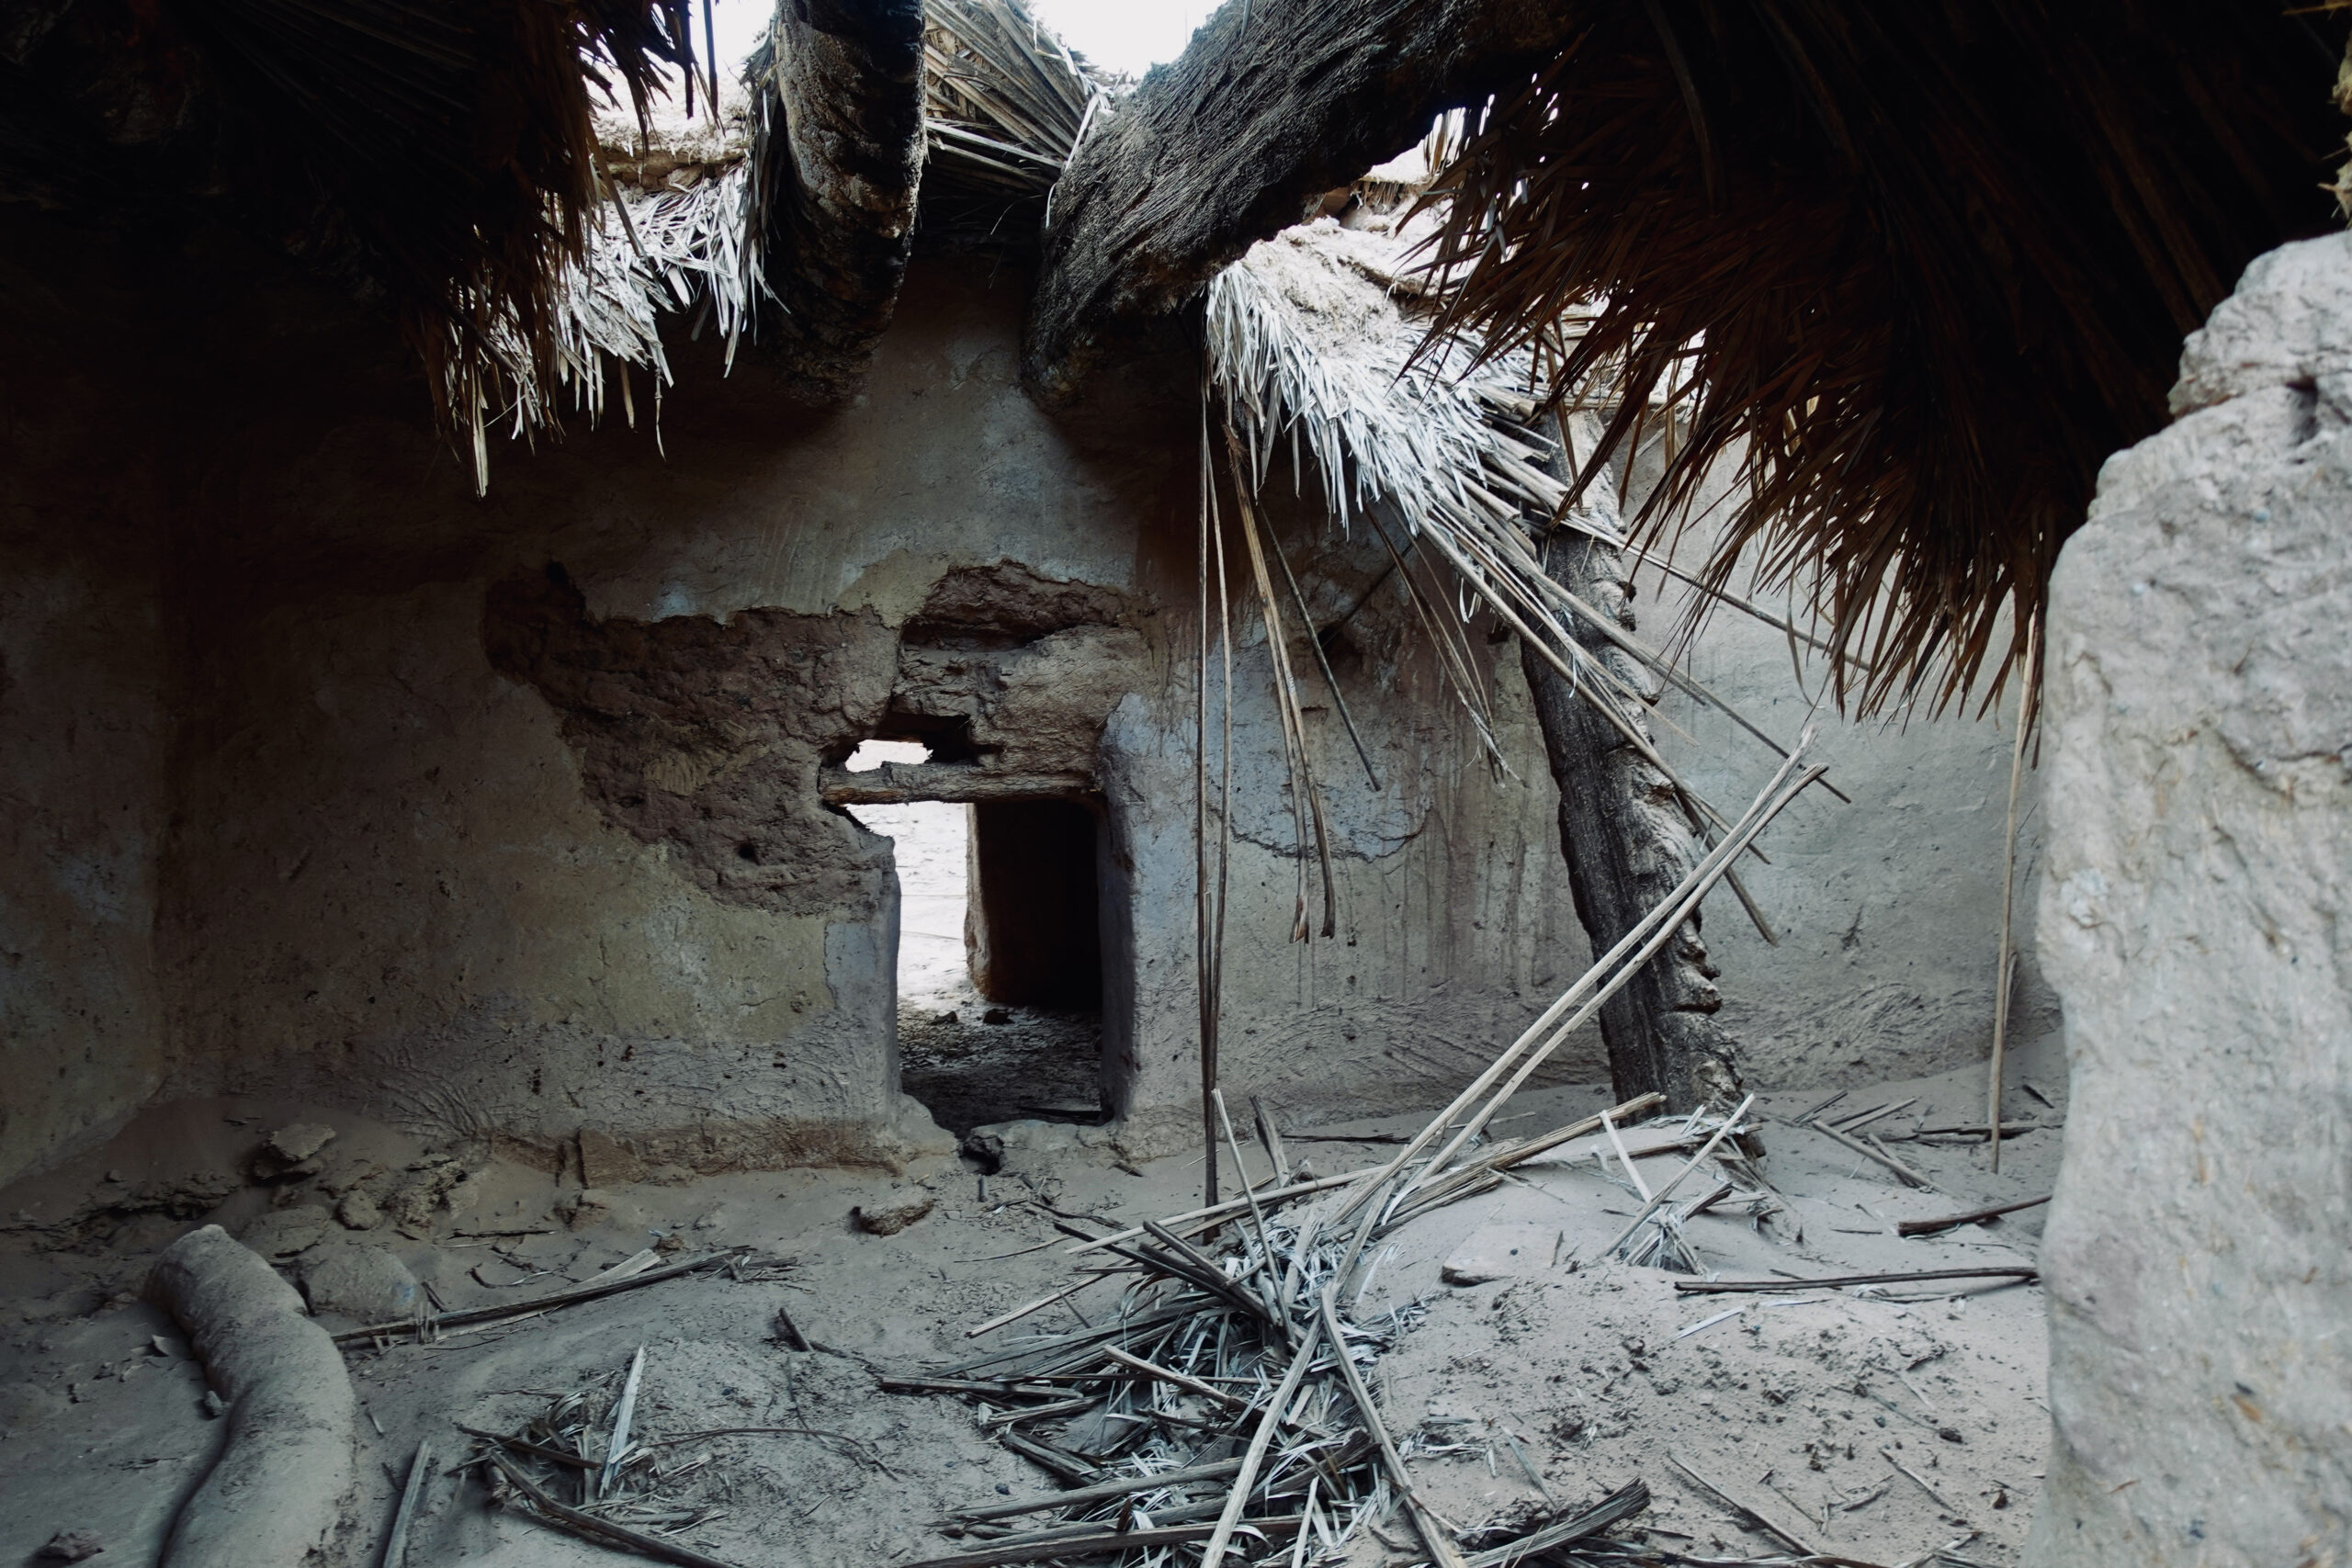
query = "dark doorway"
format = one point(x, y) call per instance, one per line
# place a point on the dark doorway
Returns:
point(1000, 971)
point(1031, 920)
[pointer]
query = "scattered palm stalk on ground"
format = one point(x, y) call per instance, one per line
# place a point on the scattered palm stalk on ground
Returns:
point(1918, 270)
point(585, 1465)
point(1238, 1325)
point(428, 1325)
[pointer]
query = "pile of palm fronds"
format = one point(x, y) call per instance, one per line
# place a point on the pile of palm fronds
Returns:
point(1005, 103)
point(1919, 268)
point(1234, 1331)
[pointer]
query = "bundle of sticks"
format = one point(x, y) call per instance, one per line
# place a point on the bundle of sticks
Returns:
point(1241, 1327)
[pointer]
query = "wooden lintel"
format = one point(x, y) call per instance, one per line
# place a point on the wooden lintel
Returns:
point(897, 784)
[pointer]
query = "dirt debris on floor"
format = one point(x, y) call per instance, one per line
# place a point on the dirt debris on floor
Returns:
point(1522, 1374)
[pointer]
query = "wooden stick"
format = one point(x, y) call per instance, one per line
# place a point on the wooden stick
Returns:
point(1802, 1547)
point(1856, 1123)
point(1919, 1481)
point(396, 1543)
point(1272, 1136)
point(1667, 1191)
point(1017, 1314)
point(1974, 1216)
point(1425, 1519)
point(536, 1303)
point(1217, 1213)
point(1754, 1287)
point(1267, 1425)
point(1071, 1406)
point(1107, 1544)
point(589, 1524)
point(2004, 978)
point(1265, 1238)
point(1000, 1389)
point(1822, 1107)
point(1909, 1176)
point(1175, 1379)
point(1520, 1154)
point(1102, 1492)
point(1625, 1159)
point(1209, 1275)
point(1067, 1466)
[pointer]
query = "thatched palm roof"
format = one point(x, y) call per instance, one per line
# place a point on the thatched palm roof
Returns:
point(1920, 269)
point(1922, 265)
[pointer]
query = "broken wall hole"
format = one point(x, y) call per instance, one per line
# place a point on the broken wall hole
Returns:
point(999, 952)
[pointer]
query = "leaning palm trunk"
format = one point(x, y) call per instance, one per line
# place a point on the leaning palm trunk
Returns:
point(1306, 340)
point(1628, 843)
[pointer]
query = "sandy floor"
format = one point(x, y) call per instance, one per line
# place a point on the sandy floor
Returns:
point(1599, 1372)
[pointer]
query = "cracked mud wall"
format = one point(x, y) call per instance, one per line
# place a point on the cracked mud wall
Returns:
point(477, 844)
point(434, 832)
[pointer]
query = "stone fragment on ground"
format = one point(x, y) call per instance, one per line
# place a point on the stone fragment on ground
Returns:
point(282, 1232)
point(361, 1282)
point(1500, 1252)
point(291, 1152)
point(890, 1219)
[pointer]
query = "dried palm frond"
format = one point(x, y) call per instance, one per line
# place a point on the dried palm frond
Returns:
point(1005, 103)
point(1920, 269)
point(667, 251)
point(1306, 343)
point(453, 142)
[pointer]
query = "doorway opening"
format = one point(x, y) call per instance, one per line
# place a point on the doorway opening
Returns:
point(999, 968)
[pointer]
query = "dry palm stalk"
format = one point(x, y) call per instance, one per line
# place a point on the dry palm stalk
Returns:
point(536, 1305)
point(420, 1466)
point(2007, 975)
point(1306, 800)
point(1754, 1287)
point(1663, 1193)
point(1596, 985)
point(605, 1532)
point(1106, 1492)
point(1903, 1172)
point(1973, 1217)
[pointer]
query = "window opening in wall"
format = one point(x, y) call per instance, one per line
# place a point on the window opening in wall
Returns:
point(1000, 977)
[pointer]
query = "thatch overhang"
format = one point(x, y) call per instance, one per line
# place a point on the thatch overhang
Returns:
point(1922, 268)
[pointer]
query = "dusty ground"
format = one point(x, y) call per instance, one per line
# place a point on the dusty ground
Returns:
point(1587, 1365)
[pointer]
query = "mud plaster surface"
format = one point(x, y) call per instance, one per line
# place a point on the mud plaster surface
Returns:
point(1789, 1404)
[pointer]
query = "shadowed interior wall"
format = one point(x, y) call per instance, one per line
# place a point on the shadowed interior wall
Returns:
point(1031, 924)
point(85, 715)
